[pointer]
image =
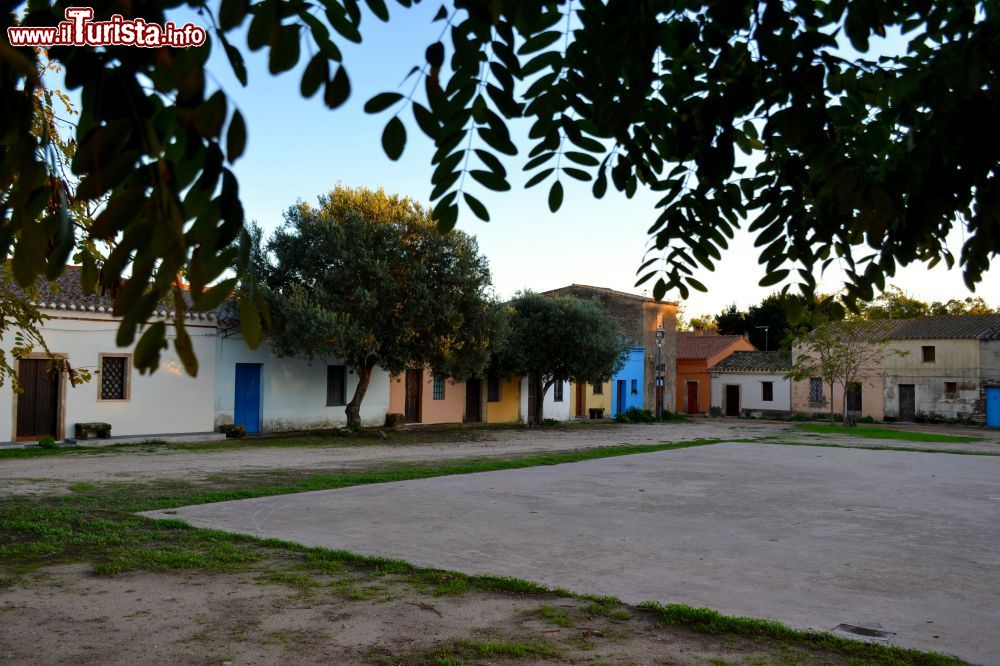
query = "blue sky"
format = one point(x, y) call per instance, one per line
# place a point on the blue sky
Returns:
point(298, 149)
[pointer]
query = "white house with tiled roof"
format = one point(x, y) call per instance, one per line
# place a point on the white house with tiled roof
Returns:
point(752, 383)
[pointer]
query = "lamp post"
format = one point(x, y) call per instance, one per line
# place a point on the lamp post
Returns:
point(660, 333)
point(765, 336)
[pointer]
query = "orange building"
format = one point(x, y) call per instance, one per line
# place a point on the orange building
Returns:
point(697, 351)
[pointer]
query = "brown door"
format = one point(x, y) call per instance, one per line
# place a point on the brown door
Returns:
point(473, 400)
point(532, 401)
point(732, 400)
point(693, 398)
point(38, 405)
point(907, 402)
point(414, 389)
point(581, 398)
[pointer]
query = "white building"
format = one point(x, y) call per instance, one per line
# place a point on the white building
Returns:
point(234, 384)
point(555, 403)
point(750, 383)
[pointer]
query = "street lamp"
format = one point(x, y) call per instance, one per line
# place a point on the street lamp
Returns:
point(765, 336)
point(660, 334)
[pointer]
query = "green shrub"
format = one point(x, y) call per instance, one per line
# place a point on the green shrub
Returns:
point(550, 422)
point(668, 415)
point(636, 415)
point(47, 443)
point(867, 419)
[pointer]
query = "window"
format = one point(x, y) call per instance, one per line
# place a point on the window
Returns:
point(115, 376)
point(951, 388)
point(816, 390)
point(493, 389)
point(635, 387)
point(598, 389)
point(438, 386)
point(767, 391)
point(928, 352)
point(557, 391)
point(335, 393)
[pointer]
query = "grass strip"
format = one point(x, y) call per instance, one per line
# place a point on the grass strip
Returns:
point(882, 433)
point(708, 621)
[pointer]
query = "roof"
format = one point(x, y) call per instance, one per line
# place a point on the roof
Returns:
point(944, 327)
point(604, 290)
point(692, 346)
point(755, 361)
point(66, 294)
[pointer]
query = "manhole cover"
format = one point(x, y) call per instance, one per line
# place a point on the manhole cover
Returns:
point(864, 632)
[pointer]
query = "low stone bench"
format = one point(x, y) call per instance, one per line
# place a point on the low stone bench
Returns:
point(597, 412)
point(86, 430)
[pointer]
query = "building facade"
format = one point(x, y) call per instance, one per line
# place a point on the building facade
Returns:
point(697, 351)
point(748, 383)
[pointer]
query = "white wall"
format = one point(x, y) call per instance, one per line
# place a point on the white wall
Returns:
point(551, 409)
point(751, 391)
point(167, 401)
point(293, 390)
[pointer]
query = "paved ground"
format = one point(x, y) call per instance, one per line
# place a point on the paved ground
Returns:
point(55, 473)
point(904, 542)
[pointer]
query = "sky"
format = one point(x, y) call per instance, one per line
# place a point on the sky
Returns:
point(298, 149)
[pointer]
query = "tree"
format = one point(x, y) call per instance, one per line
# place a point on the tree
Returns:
point(894, 303)
point(841, 352)
point(552, 339)
point(366, 278)
point(849, 157)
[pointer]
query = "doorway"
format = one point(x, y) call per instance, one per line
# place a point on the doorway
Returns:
point(581, 399)
point(414, 391)
point(246, 409)
point(732, 400)
point(619, 397)
point(692, 395)
point(38, 404)
point(907, 402)
point(473, 400)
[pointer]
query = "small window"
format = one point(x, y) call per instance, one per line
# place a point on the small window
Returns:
point(928, 353)
point(598, 389)
point(557, 391)
point(438, 386)
point(493, 389)
point(767, 391)
point(114, 377)
point(335, 379)
point(635, 387)
point(816, 390)
point(951, 388)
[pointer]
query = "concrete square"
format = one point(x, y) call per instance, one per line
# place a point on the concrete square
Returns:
point(908, 543)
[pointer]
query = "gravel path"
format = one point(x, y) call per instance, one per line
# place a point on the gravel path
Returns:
point(56, 473)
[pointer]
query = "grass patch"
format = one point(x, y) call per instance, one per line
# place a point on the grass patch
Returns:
point(554, 616)
point(458, 651)
point(870, 432)
point(707, 621)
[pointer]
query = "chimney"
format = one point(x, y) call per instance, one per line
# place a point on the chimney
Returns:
point(699, 331)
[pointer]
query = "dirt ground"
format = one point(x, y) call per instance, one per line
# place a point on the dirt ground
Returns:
point(248, 618)
point(145, 463)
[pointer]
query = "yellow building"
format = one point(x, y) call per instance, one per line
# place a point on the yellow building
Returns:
point(503, 400)
point(586, 397)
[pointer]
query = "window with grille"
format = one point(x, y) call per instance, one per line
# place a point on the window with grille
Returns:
point(767, 391)
point(816, 390)
point(557, 391)
point(335, 380)
point(114, 378)
point(598, 389)
point(438, 386)
point(493, 389)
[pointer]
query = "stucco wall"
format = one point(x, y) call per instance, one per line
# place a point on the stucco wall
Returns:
point(634, 369)
point(698, 370)
point(954, 361)
point(590, 399)
point(751, 391)
point(293, 390)
point(872, 403)
point(167, 401)
point(550, 408)
point(507, 409)
point(653, 316)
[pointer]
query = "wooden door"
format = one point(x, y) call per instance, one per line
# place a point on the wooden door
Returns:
point(532, 401)
point(854, 397)
point(581, 399)
point(473, 400)
point(732, 400)
point(907, 402)
point(38, 405)
point(247, 406)
point(692, 389)
point(414, 391)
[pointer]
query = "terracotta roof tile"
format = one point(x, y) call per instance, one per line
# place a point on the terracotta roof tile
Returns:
point(691, 346)
point(755, 361)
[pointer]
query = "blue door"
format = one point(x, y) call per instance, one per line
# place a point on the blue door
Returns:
point(993, 406)
point(247, 406)
point(619, 397)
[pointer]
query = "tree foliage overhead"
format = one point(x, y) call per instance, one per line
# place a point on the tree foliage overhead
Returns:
point(894, 303)
point(365, 278)
point(869, 161)
point(552, 339)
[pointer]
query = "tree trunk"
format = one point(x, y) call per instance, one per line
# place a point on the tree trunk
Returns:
point(535, 383)
point(354, 406)
point(833, 416)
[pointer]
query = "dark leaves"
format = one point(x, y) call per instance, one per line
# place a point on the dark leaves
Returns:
point(394, 138)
